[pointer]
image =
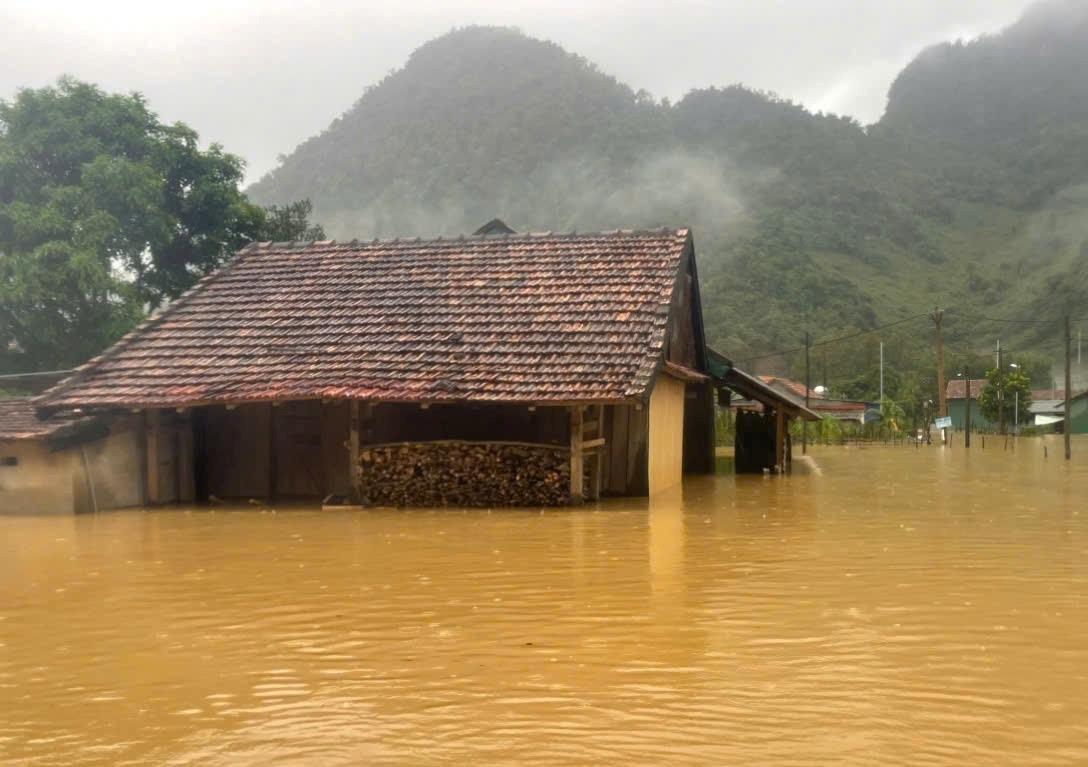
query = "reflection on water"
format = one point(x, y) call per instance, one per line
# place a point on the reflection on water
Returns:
point(922, 606)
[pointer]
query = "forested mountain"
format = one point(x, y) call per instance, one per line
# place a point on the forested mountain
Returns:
point(971, 191)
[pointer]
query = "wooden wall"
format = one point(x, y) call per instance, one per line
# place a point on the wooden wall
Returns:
point(335, 432)
point(236, 457)
point(699, 429)
point(666, 434)
point(625, 452)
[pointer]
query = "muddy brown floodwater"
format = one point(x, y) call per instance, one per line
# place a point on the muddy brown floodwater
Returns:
point(906, 606)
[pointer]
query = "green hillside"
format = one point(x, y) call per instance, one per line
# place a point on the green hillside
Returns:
point(971, 191)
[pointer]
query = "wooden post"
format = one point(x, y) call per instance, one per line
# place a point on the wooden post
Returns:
point(1000, 391)
point(779, 440)
point(808, 385)
point(1067, 419)
point(271, 453)
point(596, 458)
point(576, 463)
point(151, 440)
point(353, 449)
point(186, 460)
point(967, 410)
point(942, 405)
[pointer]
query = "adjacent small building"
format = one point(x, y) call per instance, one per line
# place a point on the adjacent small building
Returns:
point(65, 465)
point(848, 411)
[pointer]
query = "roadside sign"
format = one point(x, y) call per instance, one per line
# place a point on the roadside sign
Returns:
point(944, 423)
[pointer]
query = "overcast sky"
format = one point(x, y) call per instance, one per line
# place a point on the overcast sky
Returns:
point(263, 75)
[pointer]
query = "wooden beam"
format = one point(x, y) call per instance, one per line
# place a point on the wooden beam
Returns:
point(353, 448)
point(597, 457)
point(151, 440)
point(576, 462)
point(780, 441)
point(271, 454)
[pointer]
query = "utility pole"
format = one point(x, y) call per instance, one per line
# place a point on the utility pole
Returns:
point(967, 409)
point(882, 376)
point(1067, 421)
point(808, 385)
point(1000, 391)
point(942, 406)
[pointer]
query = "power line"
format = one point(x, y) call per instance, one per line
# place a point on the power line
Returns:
point(835, 340)
point(1000, 319)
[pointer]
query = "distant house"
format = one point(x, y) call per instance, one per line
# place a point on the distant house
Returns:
point(1047, 412)
point(1051, 412)
point(1047, 407)
point(955, 398)
point(1078, 413)
point(382, 370)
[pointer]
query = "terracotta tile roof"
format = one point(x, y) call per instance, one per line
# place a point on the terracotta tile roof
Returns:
point(796, 387)
point(19, 420)
point(1049, 394)
point(509, 318)
point(956, 388)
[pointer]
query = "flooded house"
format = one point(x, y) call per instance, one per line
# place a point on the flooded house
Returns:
point(496, 369)
point(65, 465)
point(957, 400)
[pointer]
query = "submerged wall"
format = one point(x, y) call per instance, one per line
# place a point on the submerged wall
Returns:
point(666, 438)
point(104, 474)
point(35, 481)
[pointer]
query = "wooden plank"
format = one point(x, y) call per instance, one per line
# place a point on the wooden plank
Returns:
point(779, 440)
point(596, 458)
point(353, 447)
point(271, 454)
point(151, 431)
point(606, 455)
point(617, 472)
point(638, 463)
point(186, 455)
point(576, 458)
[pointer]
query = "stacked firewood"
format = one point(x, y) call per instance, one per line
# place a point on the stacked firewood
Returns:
point(464, 474)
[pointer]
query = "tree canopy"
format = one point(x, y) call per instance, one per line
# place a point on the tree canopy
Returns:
point(1011, 385)
point(106, 212)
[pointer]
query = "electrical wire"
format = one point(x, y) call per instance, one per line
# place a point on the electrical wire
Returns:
point(839, 339)
point(1000, 319)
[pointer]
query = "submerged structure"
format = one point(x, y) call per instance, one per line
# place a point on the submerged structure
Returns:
point(493, 370)
point(336, 370)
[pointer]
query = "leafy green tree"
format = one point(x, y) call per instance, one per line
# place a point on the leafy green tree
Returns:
point(106, 212)
point(892, 416)
point(285, 223)
point(1012, 383)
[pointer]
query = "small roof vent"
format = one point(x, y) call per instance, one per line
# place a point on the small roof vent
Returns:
point(494, 226)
